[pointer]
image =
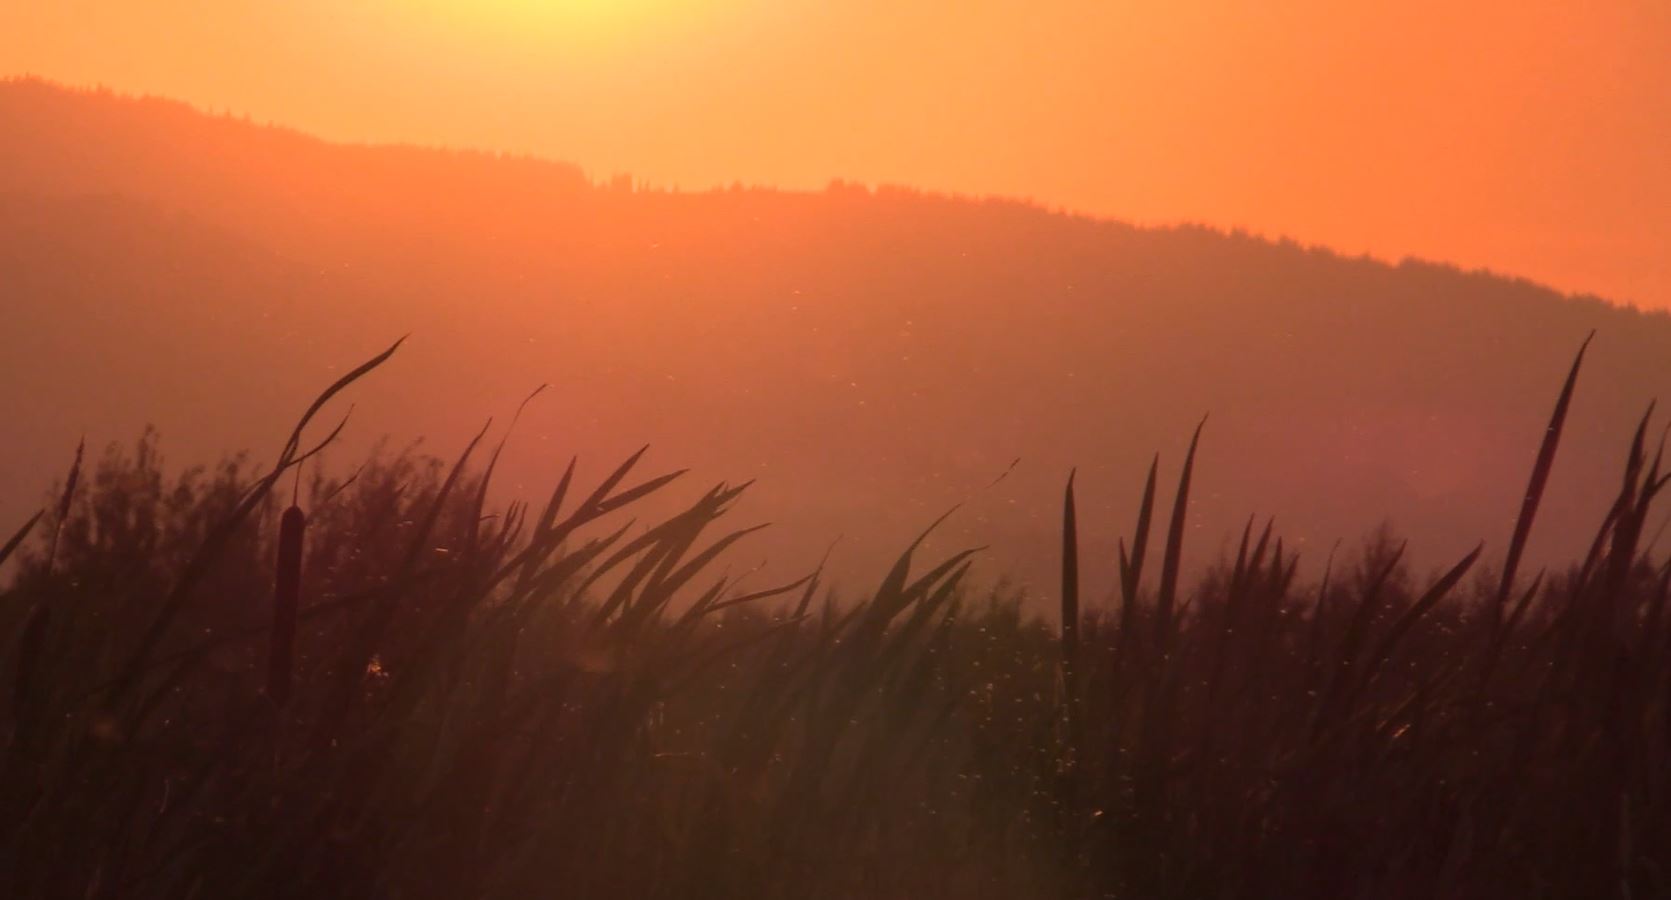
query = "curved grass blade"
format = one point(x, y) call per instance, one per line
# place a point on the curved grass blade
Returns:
point(1534, 487)
point(1166, 599)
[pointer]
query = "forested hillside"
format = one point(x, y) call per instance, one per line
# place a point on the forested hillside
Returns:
point(871, 356)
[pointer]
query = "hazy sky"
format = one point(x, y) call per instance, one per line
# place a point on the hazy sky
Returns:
point(1529, 137)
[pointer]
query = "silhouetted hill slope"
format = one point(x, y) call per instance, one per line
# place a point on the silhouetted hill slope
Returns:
point(871, 356)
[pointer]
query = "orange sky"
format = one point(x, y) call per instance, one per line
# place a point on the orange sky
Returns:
point(1530, 137)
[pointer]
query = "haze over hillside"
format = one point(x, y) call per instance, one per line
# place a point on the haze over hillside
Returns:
point(871, 356)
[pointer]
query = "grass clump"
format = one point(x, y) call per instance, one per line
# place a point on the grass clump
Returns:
point(430, 698)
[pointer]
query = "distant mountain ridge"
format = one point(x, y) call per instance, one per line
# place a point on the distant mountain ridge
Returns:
point(871, 356)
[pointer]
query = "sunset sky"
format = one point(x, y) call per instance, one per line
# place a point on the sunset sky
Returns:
point(1528, 137)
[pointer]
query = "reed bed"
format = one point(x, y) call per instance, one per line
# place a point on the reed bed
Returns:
point(388, 689)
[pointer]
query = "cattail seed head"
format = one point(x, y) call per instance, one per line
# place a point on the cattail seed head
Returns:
point(287, 590)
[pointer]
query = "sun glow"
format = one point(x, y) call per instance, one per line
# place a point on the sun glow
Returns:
point(590, 12)
point(577, 20)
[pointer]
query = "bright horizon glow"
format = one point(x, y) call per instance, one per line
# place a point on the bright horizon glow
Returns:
point(1529, 138)
point(572, 22)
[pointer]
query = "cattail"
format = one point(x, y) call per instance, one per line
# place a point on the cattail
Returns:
point(1070, 585)
point(1070, 618)
point(287, 589)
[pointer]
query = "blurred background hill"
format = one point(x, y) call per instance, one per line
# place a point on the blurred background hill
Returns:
point(871, 355)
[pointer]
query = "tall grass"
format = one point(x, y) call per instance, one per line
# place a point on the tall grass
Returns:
point(419, 696)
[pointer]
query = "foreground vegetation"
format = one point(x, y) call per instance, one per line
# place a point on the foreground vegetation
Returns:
point(438, 700)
